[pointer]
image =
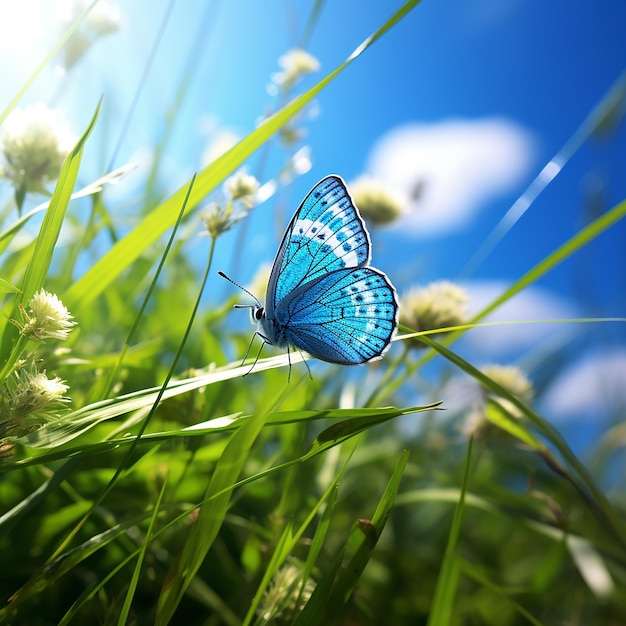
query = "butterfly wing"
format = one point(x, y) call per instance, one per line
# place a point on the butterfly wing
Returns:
point(325, 234)
point(347, 316)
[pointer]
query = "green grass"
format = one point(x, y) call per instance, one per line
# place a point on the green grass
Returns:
point(175, 489)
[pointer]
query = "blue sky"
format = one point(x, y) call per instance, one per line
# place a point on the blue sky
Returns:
point(473, 98)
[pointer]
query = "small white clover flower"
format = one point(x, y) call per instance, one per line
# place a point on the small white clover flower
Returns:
point(291, 134)
point(34, 143)
point(283, 597)
point(513, 379)
point(378, 203)
point(37, 395)
point(438, 305)
point(219, 218)
point(295, 64)
point(46, 318)
point(102, 20)
point(242, 187)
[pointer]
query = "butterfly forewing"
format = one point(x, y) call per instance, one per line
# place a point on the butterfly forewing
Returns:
point(326, 234)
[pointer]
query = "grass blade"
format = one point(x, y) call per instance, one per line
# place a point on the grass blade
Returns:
point(39, 265)
point(134, 581)
point(581, 479)
point(210, 518)
point(369, 531)
point(329, 596)
point(441, 609)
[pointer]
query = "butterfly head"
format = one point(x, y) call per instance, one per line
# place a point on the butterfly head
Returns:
point(257, 312)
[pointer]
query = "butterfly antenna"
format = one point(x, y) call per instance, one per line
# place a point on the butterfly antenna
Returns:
point(230, 280)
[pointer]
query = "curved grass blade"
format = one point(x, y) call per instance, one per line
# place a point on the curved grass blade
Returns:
point(443, 602)
point(39, 578)
point(65, 562)
point(575, 243)
point(224, 423)
point(371, 531)
point(221, 488)
point(581, 479)
point(288, 541)
point(563, 252)
point(7, 287)
point(333, 591)
point(472, 571)
point(134, 581)
point(210, 518)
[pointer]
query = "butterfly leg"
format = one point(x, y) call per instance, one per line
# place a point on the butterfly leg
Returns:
point(265, 340)
point(303, 360)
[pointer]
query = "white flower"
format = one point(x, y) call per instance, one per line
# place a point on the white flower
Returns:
point(438, 305)
point(284, 597)
point(243, 187)
point(102, 20)
point(295, 64)
point(34, 393)
point(377, 202)
point(46, 318)
point(511, 378)
point(34, 143)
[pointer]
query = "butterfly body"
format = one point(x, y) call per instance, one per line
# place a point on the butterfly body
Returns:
point(322, 296)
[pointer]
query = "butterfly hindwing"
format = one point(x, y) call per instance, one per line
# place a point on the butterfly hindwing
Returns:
point(326, 234)
point(347, 316)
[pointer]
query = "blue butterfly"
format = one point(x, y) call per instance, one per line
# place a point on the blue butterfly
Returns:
point(322, 296)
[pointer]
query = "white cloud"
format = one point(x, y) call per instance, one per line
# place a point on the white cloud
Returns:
point(594, 386)
point(449, 170)
point(534, 303)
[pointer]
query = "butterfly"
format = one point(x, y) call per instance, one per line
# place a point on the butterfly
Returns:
point(323, 298)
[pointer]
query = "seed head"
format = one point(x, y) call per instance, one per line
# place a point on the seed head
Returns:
point(34, 143)
point(438, 305)
point(295, 64)
point(378, 203)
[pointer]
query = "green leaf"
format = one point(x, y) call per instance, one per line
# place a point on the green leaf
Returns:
point(330, 595)
point(288, 541)
point(497, 415)
point(134, 581)
point(580, 477)
point(7, 287)
point(37, 269)
point(65, 562)
point(472, 571)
